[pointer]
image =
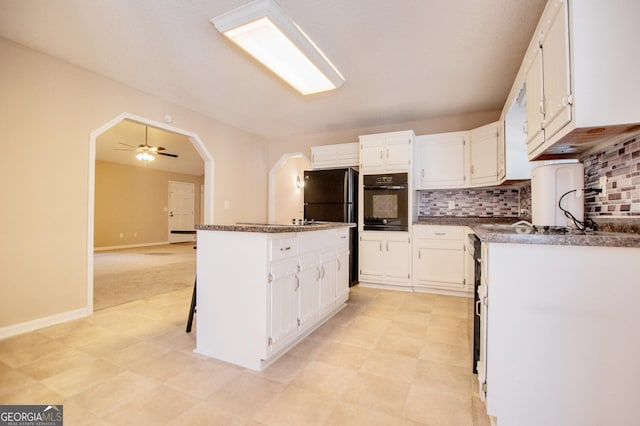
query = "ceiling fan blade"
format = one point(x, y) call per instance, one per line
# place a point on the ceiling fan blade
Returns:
point(123, 149)
point(126, 144)
point(167, 154)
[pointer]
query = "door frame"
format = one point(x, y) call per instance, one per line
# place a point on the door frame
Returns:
point(272, 181)
point(198, 145)
point(180, 238)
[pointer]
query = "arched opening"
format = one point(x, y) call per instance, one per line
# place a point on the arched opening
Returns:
point(285, 187)
point(207, 190)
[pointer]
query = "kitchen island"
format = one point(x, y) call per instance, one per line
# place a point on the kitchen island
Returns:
point(262, 288)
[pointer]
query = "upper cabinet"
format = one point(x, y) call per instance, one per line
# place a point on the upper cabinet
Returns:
point(441, 160)
point(579, 78)
point(486, 156)
point(335, 156)
point(483, 151)
point(386, 152)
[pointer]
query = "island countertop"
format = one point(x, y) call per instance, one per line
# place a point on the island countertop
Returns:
point(274, 228)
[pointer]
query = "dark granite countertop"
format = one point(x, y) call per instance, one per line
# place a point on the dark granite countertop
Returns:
point(275, 228)
point(524, 235)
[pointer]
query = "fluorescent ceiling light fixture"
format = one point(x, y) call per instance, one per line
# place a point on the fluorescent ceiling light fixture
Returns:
point(262, 30)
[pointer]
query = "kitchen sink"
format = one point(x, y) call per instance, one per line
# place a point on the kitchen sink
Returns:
point(518, 226)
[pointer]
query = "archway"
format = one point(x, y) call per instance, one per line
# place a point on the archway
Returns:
point(207, 201)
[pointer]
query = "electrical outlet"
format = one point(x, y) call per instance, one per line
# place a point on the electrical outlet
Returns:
point(603, 186)
point(452, 205)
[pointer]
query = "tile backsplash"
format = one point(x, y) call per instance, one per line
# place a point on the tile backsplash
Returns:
point(620, 163)
point(483, 202)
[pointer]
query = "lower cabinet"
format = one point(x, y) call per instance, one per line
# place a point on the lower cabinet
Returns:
point(440, 262)
point(385, 258)
point(260, 293)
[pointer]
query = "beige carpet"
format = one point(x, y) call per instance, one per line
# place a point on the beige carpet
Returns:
point(122, 276)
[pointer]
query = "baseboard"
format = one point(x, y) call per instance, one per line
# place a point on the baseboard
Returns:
point(127, 246)
point(36, 324)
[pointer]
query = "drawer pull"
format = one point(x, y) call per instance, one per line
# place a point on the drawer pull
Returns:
point(441, 233)
point(285, 248)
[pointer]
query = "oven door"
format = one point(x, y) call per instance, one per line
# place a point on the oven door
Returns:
point(386, 208)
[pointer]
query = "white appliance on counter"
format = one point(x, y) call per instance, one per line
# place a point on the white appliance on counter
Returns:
point(549, 183)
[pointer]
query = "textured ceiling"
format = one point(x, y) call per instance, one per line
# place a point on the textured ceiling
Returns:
point(403, 60)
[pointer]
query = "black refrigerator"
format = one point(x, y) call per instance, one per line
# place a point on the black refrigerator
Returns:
point(332, 196)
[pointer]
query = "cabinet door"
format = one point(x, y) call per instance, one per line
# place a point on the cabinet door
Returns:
point(398, 154)
point(397, 262)
point(372, 156)
point(535, 105)
point(440, 264)
point(556, 72)
point(342, 276)
point(310, 275)
point(371, 256)
point(483, 146)
point(334, 156)
point(283, 303)
point(442, 159)
point(328, 270)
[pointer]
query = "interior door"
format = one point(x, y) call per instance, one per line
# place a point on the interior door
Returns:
point(181, 208)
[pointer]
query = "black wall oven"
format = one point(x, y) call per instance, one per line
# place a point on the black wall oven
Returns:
point(386, 202)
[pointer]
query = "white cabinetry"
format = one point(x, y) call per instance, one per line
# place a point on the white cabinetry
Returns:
point(555, 329)
point(483, 149)
point(335, 156)
point(260, 293)
point(439, 260)
point(581, 84)
point(442, 160)
point(385, 258)
point(386, 152)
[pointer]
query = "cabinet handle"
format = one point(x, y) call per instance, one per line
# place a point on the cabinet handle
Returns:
point(339, 266)
point(319, 274)
point(297, 283)
point(441, 233)
point(285, 248)
point(419, 254)
point(381, 154)
point(472, 169)
point(387, 245)
point(387, 152)
point(478, 308)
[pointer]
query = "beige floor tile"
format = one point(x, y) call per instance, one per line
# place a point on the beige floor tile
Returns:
point(296, 406)
point(433, 408)
point(446, 354)
point(395, 367)
point(357, 337)
point(446, 379)
point(155, 406)
point(324, 379)
point(57, 363)
point(308, 347)
point(344, 356)
point(245, 394)
point(347, 414)
point(25, 349)
point(12, 382)
point(31, 393)
point(381, 313)
point(110, 394)
point(167, 365)
point(448, 336)
point(377, 392)
point(86, 334)
point(205, 414)
point(371, 324)
point(406, 329)
point(107, 344)
point(201, 380)
point(399, 345)
point(445, 321)
point(77, 415)
point(408, 317)
point(138, 353)
point(285, 368)
point(79, 378)
point(417, 306)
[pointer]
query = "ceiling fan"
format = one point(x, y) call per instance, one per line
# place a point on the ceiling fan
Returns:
point(146, 152)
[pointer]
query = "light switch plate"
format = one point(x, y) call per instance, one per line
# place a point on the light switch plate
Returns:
point(452, 205)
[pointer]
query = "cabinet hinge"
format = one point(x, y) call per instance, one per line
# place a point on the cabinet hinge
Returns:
point(270, 341)
point(570, 99)
point(298, 322)
point(464, 281)
point(270, 277)
point(408, 276)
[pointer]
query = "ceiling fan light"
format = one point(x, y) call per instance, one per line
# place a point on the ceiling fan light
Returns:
point(262, 30)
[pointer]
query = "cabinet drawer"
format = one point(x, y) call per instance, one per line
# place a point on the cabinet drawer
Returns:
point(283, 248)
point(343, 238)
point(438, 232)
